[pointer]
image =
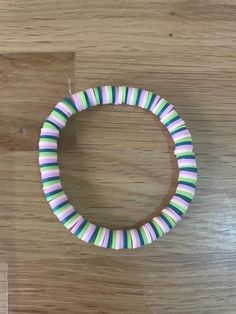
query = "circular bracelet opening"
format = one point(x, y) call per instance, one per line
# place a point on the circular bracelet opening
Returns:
point(69, 216)
point(122, 171)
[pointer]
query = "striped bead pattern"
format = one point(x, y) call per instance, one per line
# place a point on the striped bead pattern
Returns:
point(50, 172)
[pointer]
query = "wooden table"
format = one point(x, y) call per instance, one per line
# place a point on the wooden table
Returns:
point(117, 163)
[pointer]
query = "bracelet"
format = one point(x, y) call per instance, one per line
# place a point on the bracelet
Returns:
point(50, 172)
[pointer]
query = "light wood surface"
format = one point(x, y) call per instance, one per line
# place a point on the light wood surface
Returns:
point(117, 163)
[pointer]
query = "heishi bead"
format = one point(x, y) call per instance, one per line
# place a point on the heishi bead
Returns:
point(78, 102)
point(143, 99)
point(91, 97)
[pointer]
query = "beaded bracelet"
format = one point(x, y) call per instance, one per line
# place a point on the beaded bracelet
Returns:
point(50, 172)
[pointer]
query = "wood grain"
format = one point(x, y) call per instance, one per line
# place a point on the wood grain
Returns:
point(3, 288)
point(117, 163)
